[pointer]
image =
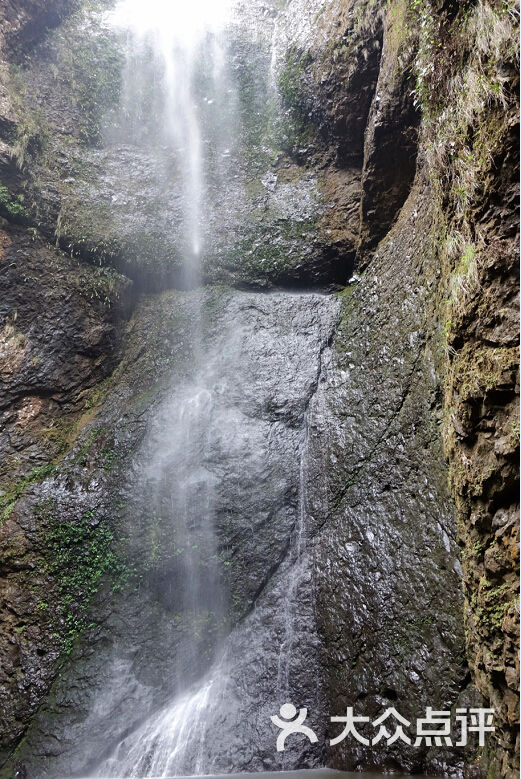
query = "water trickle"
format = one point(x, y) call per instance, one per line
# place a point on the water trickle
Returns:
point(160, 747)
point(179, 483)
point(297, 573)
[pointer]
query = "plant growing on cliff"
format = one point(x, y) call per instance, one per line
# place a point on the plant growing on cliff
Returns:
point(10, 206)
point(464, 282)
point(11, 492)
point(79, 553)
point(86, 65)
point(461, 93)
point(293, 93)
point(467, 86)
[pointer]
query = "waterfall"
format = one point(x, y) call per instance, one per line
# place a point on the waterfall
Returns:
point(180, 479)
point(177, 98)
point(178, 95)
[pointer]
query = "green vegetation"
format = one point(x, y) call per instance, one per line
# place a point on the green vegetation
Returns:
point(31, 135)
point(79, 554)
point(300, 130)
point(104, 454)
point(461, 94)
point(109, 459)
point(100, 391)
point(102, 284)
point(478, 371)
point(265, 248)
point(13, 491)
point(255, 103)
point(11, 207)
point(464, 281)
point(86, 66)
point(292, 81)
point(494, 602)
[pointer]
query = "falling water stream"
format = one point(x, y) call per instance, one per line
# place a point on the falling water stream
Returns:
point(297, 575)
point(178, 94)
point(179, 98)
point(173, 740)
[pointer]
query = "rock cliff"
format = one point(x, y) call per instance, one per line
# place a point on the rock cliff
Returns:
point(373, 390)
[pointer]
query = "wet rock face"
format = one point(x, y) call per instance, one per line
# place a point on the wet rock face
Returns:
point(285, 460)
point(238, 443)
point(59, 331)
point(104, 188)
point(21, 25)
point(57, 346)
point(482, 442)
point(388, 566)
point(287, 212)
point(24, 22)
point(61, 323)
point(315, 423)
point(391, 140)
point(479, 233)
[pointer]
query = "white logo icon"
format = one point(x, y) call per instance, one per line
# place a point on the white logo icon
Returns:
point(290, 725)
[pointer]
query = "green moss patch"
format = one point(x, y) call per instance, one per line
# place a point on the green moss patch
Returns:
point(11, 207)
point(13, 491)
point(79, 554)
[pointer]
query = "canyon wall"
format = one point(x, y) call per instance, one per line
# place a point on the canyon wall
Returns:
point(384, 175)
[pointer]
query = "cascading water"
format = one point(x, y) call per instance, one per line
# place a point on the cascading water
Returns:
point(210, 718)
point(179, 95)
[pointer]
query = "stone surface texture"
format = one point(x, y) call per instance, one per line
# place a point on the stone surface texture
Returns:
point(347, 371)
